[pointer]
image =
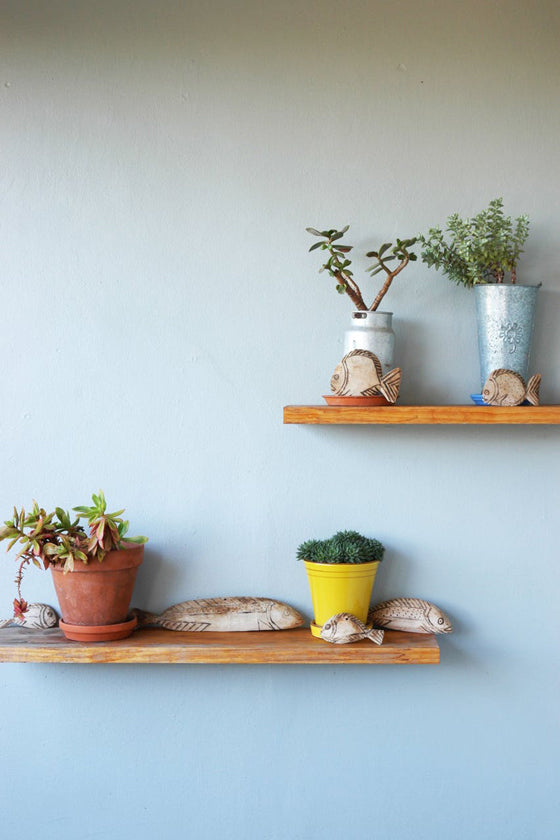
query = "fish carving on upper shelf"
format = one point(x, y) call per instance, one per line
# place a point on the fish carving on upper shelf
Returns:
point(412, 615)
point(344, 629)
point(224, 615)
point(36, 617)
point(359, 374)
point(506, 387)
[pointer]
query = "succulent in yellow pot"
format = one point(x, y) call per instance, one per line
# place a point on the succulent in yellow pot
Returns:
point(341, 572)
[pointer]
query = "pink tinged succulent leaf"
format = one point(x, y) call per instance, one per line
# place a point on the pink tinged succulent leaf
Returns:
point(20, 608)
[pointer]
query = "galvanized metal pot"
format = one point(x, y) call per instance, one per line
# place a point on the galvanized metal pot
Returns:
point(372, 331)
point(505, 316)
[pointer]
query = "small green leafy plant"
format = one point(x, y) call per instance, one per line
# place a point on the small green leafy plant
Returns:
point(483, 249)
point(343, 547)
point(56, 539)
point(338, 264)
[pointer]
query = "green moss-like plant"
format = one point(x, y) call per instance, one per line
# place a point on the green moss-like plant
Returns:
point(343, 547)
point(482, 249)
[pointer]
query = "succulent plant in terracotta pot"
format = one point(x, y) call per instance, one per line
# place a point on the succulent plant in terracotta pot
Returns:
point(93, 569)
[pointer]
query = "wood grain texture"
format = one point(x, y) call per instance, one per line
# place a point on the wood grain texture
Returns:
point(423, 414)
point(285, 647)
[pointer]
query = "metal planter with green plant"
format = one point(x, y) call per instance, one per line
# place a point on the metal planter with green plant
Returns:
point(482, 252)
point(370, 329)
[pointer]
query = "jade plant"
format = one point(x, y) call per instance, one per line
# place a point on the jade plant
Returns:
point(482, 249)
point(343, 547)
point(338, 264)
point(57, 539)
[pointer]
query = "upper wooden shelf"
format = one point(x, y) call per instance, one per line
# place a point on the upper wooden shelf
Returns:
point(424, 414)
point(281, 647)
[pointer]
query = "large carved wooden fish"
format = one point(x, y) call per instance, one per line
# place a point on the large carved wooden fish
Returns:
point(412, 615)
point(224, 615)
point(359, 374)
point(343, 629)
point(36, 617)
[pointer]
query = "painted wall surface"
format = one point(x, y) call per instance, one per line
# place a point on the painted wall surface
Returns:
point(158, 307)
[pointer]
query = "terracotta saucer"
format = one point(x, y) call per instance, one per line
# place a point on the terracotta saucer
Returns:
point(356, 401)
point(98, 633)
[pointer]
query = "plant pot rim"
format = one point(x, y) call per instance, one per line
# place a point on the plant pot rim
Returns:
point(507, 285)
point(340, 565)
point(112, 561)
point(365, 312)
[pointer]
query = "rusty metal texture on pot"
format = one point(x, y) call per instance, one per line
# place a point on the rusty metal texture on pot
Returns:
point(412, 615)
point(36, 617)
point(224, 615)
point(344, 629)
point(359, 374)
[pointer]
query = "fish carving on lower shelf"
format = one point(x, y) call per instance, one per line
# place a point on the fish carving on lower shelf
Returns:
point(359, 374)
point(224, 615)
point(36, 617)
point(344, 629)
point(506, 387)
point(412, 615)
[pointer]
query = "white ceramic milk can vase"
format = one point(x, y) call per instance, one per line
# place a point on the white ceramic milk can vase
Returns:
point(372, 331)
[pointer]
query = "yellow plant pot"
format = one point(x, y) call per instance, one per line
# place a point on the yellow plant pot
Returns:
point(336, 588)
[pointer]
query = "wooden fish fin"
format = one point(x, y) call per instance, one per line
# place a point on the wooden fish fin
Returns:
point(186, 626)
point(6, 622)
point(390, 385)
point(533, 388)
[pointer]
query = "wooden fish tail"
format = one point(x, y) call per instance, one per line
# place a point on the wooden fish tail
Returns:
point(146, 619)
point(390, 385)
point(533, 388)
point(376, 636)
point(6, 622)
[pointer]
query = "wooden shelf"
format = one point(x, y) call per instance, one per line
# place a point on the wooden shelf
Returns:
point(283, 647)
point(423, 415)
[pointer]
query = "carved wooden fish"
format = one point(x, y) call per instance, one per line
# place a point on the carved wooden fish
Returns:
point(359, 374)
point(506, 387)
point(343, 629)
point(410, 614)
point(36, 617)
point(224, 615)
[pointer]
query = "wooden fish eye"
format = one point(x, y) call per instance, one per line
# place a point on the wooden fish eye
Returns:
point(440, 621)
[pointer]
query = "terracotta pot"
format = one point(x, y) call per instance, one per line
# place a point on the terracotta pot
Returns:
point(98, 593)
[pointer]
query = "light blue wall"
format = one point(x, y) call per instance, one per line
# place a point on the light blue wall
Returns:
point(158, 307)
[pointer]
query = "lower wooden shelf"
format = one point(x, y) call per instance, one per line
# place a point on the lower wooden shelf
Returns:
point(283, 647)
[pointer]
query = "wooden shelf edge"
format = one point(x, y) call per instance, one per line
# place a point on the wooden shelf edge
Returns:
point(154, 646)
point(423, 415)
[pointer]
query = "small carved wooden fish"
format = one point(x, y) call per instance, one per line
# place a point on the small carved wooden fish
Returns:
point(506, 387)
point(359, 374)
point(343, 629)
point(224, 615)
point(36, 617)
point(410, 614)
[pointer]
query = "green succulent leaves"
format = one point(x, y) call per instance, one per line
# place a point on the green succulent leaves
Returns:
point(57, 539)
point(338, 265)
point(343, 547)
point(481, 249)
